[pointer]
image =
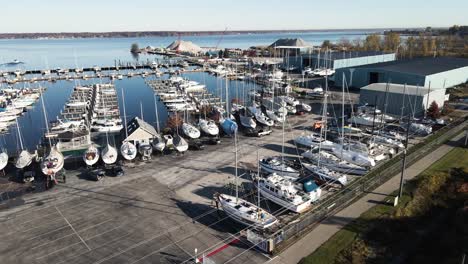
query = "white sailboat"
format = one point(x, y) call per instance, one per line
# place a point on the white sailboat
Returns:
point(243, 211)
point(91, 155)
point(3, 159)
point(331, 162)
point(276, 165)
point(24, 158)
point(158, 143)
point(314, 141)
point(247, 121)
point(54, 161)
point(180, 144)
point(128, 149)
point(263, 119)
point(325, 174)
point(208, 127)
point(109, 154)
point(190, 130)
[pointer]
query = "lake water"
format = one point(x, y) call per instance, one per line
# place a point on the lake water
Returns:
point(69, 53)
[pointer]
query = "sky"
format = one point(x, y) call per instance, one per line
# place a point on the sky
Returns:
point(204, 15)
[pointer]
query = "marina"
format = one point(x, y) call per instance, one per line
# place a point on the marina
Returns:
point(188, 159)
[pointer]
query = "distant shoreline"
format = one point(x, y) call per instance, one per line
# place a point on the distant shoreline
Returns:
point(139, 34)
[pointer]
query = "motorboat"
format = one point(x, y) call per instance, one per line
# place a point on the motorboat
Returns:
point(277, 165)
point(245, 212)
point(53, 162)
point(330, 161)
point(128, 150)
point(190, 130)
point(91, 155)
point(326, 175)
point(293, 196)
point(208, 127)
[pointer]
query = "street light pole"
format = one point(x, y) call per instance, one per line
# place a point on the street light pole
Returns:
point(403, 166)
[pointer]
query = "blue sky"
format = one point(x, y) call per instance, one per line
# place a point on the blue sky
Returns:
point(136, 15)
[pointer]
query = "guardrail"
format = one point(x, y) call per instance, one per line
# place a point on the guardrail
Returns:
point(336, 202)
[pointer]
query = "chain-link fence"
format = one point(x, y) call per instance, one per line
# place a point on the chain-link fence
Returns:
point(358, 188)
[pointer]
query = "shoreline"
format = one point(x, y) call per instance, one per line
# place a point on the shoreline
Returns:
point(148, 34)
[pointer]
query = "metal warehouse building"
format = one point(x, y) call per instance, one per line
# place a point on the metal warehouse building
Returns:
point(401, 99)
point(337, 60)
point(442, 72)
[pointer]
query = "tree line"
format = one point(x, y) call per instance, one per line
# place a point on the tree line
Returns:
point(451, 42)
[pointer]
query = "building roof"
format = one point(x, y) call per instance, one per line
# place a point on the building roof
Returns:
point(290, 43)
point(339, 55)
point(420, 66)
point(399, 88)
point(137, 123)
point(184, 46)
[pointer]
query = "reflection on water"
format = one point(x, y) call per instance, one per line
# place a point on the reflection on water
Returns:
point(135, 91)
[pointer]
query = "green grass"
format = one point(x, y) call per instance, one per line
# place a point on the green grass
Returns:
point(344, 238)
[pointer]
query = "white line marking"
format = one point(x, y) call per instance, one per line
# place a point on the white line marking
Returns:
point(73, 228)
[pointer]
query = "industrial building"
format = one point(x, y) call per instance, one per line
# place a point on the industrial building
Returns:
point(442, 72)
point(398, 99)
point(337, 59)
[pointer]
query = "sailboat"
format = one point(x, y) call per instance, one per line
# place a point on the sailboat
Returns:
point(53, 163)
point(3, 159)
point(91, 155)
point(190, 130)
point(243, 211)
point(331, 162)
point(229, 126)
point(314, 141)
point(276, 165)
point(24, 158)
point(158, 143)
point(325, 174)
point(180, 144)
point(109, 154)
point(208, 127)
point(128, 149)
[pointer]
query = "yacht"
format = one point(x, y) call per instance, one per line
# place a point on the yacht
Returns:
point(296, 197)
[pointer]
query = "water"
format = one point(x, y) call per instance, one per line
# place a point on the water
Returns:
point(69, 53)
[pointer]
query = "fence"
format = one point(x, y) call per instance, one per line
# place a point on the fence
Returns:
point(290, 233)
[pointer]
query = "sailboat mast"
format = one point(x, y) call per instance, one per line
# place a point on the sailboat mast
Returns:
point(141, 110)
point(45, 117)
point(156, 112)
point(19, 134)
point(125, 114)
point(258, 176)
point(237, 188)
